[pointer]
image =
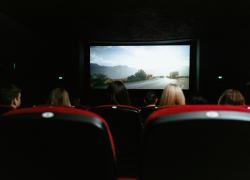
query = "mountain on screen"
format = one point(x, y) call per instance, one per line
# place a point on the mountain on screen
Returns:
point(115, 72)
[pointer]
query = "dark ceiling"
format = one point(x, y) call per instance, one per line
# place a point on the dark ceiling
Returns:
point(130, 19)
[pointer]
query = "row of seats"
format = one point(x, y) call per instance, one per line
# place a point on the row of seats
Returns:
point(126, 126)
point(144, 111)
point(176, 142)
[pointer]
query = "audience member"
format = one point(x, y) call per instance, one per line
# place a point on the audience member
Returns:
point(197, 98)
point(10, 95)
point(172, 95)
point(59, 96)
point(231, 97)
point(151, 98)
point(117, 94)
point(74, 97)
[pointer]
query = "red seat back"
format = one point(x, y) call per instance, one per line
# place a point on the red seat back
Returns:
point(126, 126)
point(196, 142)
point(124, 121)
point(146, 111)
point(55, 143)
point(82, 107)
point(5, 108)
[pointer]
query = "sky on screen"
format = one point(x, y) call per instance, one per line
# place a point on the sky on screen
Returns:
point(161, 58)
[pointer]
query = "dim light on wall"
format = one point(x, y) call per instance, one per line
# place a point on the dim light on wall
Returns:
point(219, 77)
point(60, 77)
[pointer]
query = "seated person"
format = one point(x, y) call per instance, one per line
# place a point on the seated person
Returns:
point(74, 98)
point(231, 97)
point(172, 95)
point(59, 96)
point(10, 95)
point(117, 94)
point(197, 98)
point(151, 98)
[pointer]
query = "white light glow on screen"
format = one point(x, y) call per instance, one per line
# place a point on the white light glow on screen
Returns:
point(154, 59)
point(162, 64)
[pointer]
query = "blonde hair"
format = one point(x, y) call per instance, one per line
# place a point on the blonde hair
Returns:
point(59, 96)
point(231, 97)
point(172, 95)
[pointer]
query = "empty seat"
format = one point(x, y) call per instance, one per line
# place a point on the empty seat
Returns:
point(55, 143)
point(5, 108)
point(126, 126)
point(82, 107)
point(146, 111)
point(196, 142)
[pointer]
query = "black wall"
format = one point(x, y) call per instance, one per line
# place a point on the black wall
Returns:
point(227, 55)
point(41, 58)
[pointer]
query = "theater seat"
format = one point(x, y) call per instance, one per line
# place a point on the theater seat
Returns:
point(196, 142)
point(126, 126)
point(82, 107)
point(5, 108)
point(55, 143)
point(146, 111)
point(42, 105)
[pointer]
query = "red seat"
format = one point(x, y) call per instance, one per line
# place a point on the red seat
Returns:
point(126, 126)
point(196, 142)
point(82, 107)
point(146, 111)
point(55, 143)
point(42, 105)
point(5, 108)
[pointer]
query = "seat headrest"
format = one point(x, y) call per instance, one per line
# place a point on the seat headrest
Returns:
point(176, 109)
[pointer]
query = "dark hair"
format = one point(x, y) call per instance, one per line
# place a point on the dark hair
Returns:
point(8, 93)
point(232, 97)
point(117, 94)
point(197, 98)
point(150, 97)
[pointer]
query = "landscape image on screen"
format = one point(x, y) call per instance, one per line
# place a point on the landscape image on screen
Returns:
point(140, 67)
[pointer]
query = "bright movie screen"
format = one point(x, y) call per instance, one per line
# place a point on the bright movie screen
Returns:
point(140, 67)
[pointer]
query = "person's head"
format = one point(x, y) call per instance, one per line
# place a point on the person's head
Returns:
point(74, 97)
point(172, 95)
point(151, 98)
point(197, 98)
point(231, 97)
point(10, 95)
point(59, 96)
point(117, 94)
